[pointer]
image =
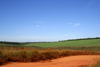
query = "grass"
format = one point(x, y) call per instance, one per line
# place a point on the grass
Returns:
point(79, 43)
point(21, 54)
point(33, 52)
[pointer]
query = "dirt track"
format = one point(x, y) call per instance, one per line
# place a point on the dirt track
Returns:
point(71, 61)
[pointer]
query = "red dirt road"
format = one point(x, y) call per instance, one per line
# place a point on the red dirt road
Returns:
point(71, 61)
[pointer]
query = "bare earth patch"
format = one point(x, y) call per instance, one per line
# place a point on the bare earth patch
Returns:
point(71, 61)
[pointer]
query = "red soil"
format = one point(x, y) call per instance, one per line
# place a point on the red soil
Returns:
point(71, 61)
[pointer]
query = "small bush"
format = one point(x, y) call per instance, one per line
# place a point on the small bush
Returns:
point(34, 56)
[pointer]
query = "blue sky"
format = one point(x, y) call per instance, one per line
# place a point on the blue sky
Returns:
point(48, 20)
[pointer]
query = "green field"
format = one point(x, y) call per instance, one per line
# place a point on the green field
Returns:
point(73, 43)
point(40, 51)
point(68, 43)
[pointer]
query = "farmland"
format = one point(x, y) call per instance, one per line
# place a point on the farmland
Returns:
point(74, 43)
point(67, 43)
point(40, 51)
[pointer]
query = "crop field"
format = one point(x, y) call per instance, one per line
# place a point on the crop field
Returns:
point(74, 43)
point(32, 52)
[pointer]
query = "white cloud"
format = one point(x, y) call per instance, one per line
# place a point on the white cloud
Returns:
point(70, 23)
point(40, 22)
point(91, 2)
point(77, 24)
point(37, 25)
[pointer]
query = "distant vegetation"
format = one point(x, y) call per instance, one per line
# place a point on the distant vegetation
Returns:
point(71, 43)
point(80, 39)
point(40, 51)
point(11, 43)
point(19, 43)
point(74, 44)
point(63, 43)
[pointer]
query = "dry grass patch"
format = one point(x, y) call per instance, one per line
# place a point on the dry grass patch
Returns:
point(13, 54)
